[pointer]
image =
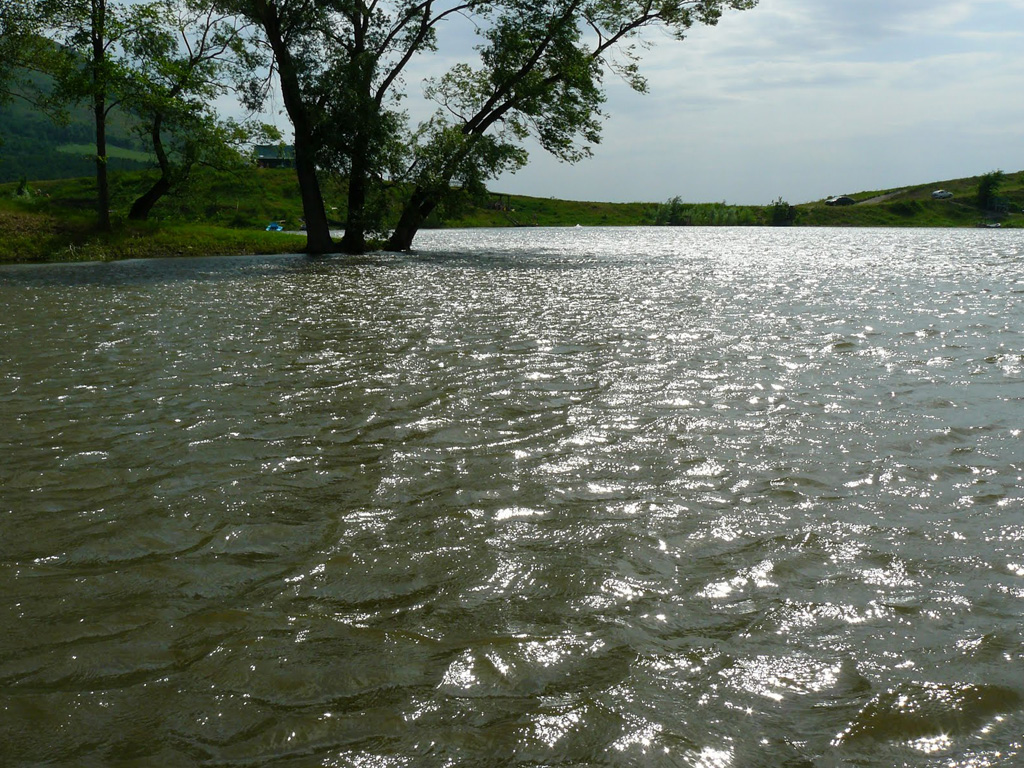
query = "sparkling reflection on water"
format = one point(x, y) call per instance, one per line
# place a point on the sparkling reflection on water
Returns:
point(690, 497)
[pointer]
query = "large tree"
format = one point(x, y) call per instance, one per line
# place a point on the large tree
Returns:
point(340, 65)
point(294, 33)
point(375, 42)
point(539, 75)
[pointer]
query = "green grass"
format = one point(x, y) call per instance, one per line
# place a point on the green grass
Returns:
point(895, 213)
point(905, 207)
point(522, 211)
point(248, 199)
point(89, 150)
point(220, 213)
point(33, 234)
point(914, 206)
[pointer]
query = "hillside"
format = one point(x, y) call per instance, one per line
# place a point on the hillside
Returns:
point(57, 159)
point(35, 147)
point(903, 207)
point(914, 207)
point(253, 197)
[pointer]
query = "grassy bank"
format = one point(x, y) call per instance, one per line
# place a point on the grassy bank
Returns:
point(897, 213)
point(226, 213)
point(32, 235)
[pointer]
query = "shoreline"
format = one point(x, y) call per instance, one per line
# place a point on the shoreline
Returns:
point(55, 222)
point(191, 242)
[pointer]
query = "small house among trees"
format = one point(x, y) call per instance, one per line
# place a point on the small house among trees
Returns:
point(275, 156)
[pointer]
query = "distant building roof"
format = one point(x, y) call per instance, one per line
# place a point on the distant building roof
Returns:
point(275, 152)
point(275, 155)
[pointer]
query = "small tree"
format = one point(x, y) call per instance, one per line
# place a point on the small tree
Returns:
point(782, 214)
point(988, 190)
point(180, 55)
point(88, 69)
point(672, 213)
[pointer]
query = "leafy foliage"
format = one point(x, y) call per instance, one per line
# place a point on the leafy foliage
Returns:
point(20, 46)
point(538, 75)
point(676, 213)
point(781, 213)
point(181, 56)
point(988, 190)
point(35, 145)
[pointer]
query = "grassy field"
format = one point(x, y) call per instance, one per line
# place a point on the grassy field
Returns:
point(522, 211)
point(89, 150)
point(227, 213)
point(33, 235)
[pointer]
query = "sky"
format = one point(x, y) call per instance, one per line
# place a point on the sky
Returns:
point(803, 99)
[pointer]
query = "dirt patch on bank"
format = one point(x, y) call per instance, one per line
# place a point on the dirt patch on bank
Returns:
point(882, 198)
point(13, 223)
point(28, 236)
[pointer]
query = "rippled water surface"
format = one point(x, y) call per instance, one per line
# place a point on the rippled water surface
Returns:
point(715, 498)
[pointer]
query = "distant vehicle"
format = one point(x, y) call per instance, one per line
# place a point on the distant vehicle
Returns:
point(941, 194)
point(840, 200)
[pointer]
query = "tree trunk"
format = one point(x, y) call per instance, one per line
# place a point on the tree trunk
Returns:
point(318, 232)
point(102, 182)
point(364, 112)
point(145, 202)
point(354, 241)
point(415, 212)
point(99, 110)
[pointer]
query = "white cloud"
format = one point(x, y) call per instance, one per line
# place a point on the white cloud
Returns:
point(804, 98)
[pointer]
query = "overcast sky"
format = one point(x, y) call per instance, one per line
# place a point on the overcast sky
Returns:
point(809, 98)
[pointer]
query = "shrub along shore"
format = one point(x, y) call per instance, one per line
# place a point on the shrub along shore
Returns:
point(221, 214)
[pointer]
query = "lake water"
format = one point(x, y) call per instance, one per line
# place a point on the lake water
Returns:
point(716, 498)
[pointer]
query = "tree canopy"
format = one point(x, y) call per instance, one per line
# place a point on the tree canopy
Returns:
point(19, 45)
point(538, 74)
point(988, 190)
point(181, 56)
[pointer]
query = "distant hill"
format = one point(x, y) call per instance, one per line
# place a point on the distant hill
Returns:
point(35, 147)
point(911, 206)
